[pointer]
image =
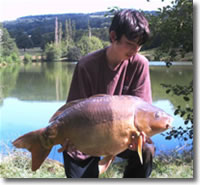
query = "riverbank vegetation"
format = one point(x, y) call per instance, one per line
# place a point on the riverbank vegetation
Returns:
point(70, 36)
point(152, 55)
point(17, 164)
point(8, 49)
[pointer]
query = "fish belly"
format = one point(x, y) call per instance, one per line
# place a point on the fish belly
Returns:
point(100, 126)
point(106, 138)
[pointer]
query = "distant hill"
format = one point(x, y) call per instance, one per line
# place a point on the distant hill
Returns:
point(41, 27)
point(29, 23)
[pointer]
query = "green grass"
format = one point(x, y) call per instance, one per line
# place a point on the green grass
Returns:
point(151, 53)
point(175, 165)
point(18, 165)
point(31, 51)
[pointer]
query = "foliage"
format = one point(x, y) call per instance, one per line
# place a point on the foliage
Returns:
point(8, 49)
point(24, 40)
point(89, 44)
point(175, 29)
point(155, 55)
point(74, 54)
point(40, 29)
point(52, 52)
point(186, 112)
point(172, 29)
point(175, 165)
point(177, 25)
point(46, 38)
point(7, 44)
point(112, 11)
point(27, 58)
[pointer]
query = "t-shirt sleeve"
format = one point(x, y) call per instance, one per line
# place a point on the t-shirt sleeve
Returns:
point(80, 85)
point(141, 86)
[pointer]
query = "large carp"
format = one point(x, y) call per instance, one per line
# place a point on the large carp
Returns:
point(102, 125)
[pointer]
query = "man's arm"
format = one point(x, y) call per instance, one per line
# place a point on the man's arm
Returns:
point(141, 87)
point(80, 86)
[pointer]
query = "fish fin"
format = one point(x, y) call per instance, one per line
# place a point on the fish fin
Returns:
point(63, 108)
point(140, 143)
point(32, 142)
point(105, 163)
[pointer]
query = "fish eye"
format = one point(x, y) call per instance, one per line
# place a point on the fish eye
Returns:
point(157, 114)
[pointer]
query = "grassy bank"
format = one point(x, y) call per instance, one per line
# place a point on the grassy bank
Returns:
point(152, 55)
point(18, 165)
point(164, 166)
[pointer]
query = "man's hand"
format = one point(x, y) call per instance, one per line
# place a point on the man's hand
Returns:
point(134, 141)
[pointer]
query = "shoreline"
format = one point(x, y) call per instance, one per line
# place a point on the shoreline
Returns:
point(18, 165)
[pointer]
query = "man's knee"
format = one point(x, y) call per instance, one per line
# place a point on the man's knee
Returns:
point(81, 169)
point(135, 169)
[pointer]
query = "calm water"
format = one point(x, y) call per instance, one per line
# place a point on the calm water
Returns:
point(30, 94)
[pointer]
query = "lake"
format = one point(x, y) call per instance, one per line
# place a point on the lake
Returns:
point(30, 94)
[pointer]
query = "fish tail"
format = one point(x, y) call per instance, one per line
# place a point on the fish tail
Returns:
point(32, 142)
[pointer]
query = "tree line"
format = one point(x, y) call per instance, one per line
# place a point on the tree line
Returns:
point(75, 35)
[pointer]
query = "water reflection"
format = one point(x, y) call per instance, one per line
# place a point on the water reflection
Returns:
point(8, 78)
point(42, 82)
point(30, 94)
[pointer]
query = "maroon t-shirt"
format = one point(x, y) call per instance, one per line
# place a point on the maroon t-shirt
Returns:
point(93, 76)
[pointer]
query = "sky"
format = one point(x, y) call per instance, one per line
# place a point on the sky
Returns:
point(13, 9)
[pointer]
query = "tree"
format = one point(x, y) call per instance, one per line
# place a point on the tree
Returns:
point(1, 41)
point(36, 36)
point(24, 40)
point(74, 54)
point(175, 26)
point(186, 112)
point(88, 45)
point(7, 44)
point(47, 38)
point(52, 52)
point(60, 33)
point(56, 32)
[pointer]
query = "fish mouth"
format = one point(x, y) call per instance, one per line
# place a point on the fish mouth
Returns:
point(168, 126)
point(169, 123)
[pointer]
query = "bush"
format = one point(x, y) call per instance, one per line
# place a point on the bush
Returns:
point(12, 58)
point(52, 52)
point(15, 57)
point(74, 54)
point(27, 58)
point(88, 45)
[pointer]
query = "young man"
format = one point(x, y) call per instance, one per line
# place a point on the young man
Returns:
point(117, 69)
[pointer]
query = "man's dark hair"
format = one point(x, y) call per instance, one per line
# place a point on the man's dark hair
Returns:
point(132, 24)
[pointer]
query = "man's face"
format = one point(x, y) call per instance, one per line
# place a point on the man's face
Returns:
point(125, 48)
